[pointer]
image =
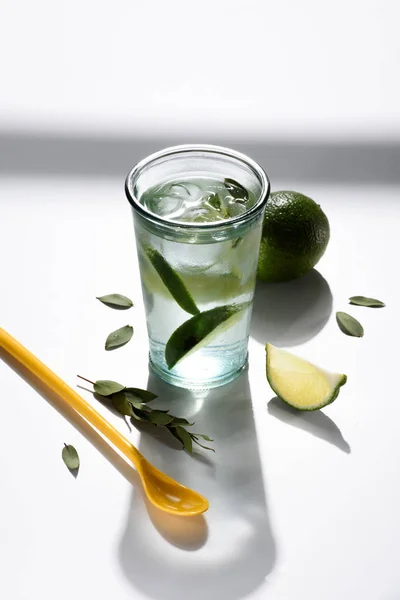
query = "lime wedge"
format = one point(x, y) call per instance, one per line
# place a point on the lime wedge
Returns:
point(198, 331)
point(172, 281)
point(300, 383)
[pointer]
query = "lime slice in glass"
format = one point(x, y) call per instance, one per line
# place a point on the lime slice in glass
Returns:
point(198, 331)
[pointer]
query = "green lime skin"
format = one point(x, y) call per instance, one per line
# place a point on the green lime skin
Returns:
point(294, 237)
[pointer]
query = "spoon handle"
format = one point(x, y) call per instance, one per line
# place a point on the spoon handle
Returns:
point(69, 397)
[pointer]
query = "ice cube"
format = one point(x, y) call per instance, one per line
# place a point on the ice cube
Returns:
point(164, 206)
point(176, 199)
point(186, 190)
point(200, 214)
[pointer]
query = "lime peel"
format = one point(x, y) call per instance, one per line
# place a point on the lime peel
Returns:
point(298, 382)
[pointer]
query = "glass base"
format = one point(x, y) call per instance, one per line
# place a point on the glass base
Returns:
point(192, 384)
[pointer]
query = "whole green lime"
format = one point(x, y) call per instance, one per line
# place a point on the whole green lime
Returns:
point(294, 237)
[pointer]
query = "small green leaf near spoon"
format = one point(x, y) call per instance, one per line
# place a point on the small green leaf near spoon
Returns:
point(70, 457)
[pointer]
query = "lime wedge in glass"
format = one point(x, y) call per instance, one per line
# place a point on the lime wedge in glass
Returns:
point(198, 331)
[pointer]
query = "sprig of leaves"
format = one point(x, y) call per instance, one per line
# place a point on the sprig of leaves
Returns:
point(133, 402)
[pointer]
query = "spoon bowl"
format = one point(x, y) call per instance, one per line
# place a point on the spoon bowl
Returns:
point(169, 495)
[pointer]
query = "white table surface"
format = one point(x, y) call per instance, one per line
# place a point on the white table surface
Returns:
point(302, 506)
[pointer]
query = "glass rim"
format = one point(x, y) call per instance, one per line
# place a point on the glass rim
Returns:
point(188, 148)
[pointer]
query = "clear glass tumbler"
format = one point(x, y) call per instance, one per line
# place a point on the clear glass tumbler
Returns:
point(198, 278)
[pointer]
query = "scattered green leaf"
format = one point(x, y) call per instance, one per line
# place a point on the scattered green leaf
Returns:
point(116, 301)
point(70, 457)
point(119, 337)
point(172, 281)
point(349, 325)
point(364, 301)
point(105, 387)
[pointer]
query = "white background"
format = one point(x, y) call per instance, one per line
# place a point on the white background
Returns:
point(301, 505)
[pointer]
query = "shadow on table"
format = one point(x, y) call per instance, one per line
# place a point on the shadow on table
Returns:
point(110, 155)
point(315, 422)
point(290, 313)
point(228, 552)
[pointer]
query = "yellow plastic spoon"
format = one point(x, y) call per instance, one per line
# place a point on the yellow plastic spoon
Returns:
point(162, 491)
